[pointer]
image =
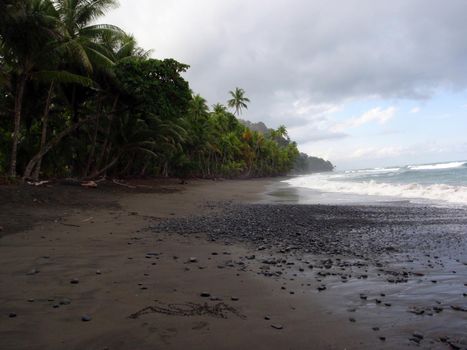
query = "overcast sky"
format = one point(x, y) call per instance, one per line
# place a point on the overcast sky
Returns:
point(362, 83)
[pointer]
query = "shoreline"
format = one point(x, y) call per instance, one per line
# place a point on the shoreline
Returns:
point(125, 268)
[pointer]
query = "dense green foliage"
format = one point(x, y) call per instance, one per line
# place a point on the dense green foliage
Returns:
point(82, 99)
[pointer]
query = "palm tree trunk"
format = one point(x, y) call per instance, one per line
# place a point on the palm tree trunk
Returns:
point(18, 106)
point(107, 133)
point(52, 143)
point(94, 141)
point(45, 120)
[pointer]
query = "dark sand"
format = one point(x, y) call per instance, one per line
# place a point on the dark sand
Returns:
point(262, 266)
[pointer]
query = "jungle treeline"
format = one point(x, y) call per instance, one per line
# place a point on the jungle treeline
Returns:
point(80, 99)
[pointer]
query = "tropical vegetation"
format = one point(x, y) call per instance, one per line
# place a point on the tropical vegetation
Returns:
point(81, 99)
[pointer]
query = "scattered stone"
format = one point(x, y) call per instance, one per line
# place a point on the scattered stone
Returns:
point(74, 281)
point(351, 319)
point(65, 301)
point(459, 308)
point(32, 272)
point(205, 295)
point(375, 329)
point(234, 298)
point(417, 335)
point(277, 326)
point(193, 260)
point(86, 318)
point(12, 315)
point(267, 318)
point(382, 338)
point(98, 272)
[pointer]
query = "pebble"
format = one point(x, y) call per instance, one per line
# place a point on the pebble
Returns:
point(65, 301)
point(234, 298)
point(86, 318)
point(74, 281)
point(205, 295)
point(12, 315)
point(32, 272)
point(193, 260)
point(277, 326)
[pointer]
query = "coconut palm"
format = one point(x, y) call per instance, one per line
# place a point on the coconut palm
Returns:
point(28, 30)
point(238, 100)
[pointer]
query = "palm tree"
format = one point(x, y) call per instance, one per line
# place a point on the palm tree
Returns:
point(27, 31)
point(83, 39)
point(81, 49)
point(238, 100)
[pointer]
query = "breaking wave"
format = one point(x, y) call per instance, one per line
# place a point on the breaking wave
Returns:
point(434, 192)
point(437, 166)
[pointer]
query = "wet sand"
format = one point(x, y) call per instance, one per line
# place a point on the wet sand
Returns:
point(200, 267)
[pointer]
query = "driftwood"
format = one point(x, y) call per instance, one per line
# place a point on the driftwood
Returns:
point(122, 184)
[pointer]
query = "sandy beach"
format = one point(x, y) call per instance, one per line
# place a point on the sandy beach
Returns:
point(159, 265)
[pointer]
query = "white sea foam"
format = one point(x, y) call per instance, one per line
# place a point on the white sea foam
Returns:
point(436, 192)
point(375, 170)
point(437, 166)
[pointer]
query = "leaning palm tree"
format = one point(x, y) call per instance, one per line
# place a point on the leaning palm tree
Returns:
point(238, 100)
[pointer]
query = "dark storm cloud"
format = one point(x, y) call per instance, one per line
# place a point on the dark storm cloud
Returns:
point(282, 52)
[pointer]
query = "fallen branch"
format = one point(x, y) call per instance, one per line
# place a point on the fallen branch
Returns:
point(122, 184)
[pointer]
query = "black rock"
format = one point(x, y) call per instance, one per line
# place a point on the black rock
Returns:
point(86, 318)
point(277, 326)
point(65, 301)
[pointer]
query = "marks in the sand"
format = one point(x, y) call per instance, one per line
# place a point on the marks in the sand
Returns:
point(217, 310)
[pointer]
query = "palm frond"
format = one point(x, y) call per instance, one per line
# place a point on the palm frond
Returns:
point(63, 77)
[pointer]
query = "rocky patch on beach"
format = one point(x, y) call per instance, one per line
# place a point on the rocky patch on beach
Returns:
point(377, 249)
point(360, 232)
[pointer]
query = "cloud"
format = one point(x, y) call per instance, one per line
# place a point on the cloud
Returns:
point(377, 114)
point(381, 152)
point(415, 110)
point(325, 50)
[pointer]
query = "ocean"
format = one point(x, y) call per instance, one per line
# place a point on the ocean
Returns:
point(441, 184)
